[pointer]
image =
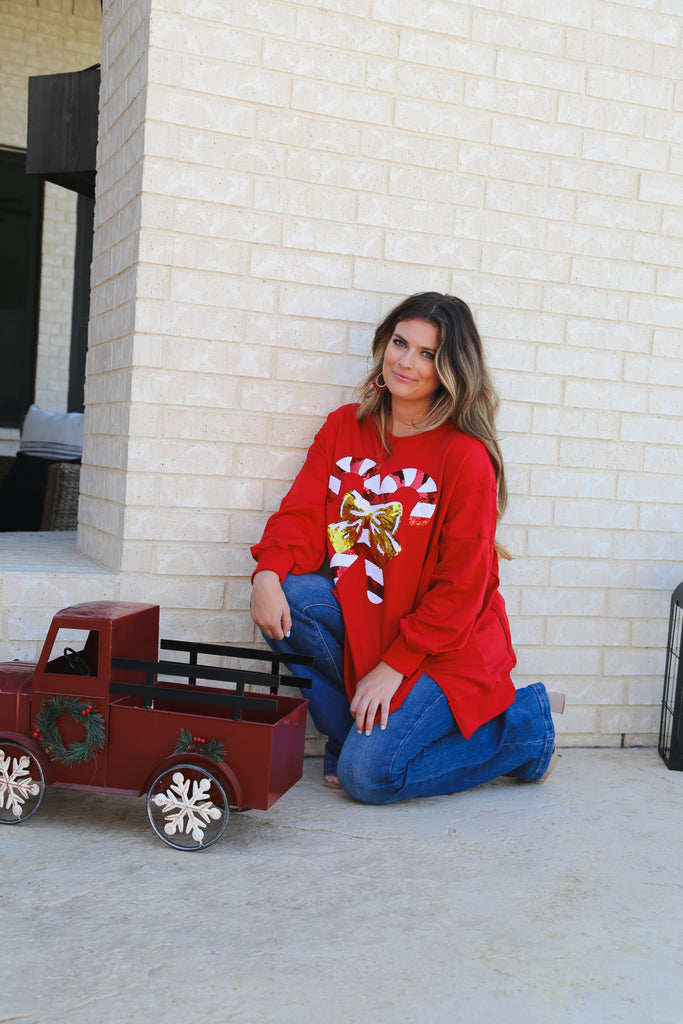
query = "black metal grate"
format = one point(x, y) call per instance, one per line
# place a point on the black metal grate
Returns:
point(192, 671)
point(671, 727)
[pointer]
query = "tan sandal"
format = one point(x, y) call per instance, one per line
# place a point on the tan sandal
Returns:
point(331, 782)
point(557, 702)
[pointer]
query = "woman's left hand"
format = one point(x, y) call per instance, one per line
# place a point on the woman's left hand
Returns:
point(373, 694)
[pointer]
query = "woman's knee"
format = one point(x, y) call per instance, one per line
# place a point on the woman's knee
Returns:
point(314, 607)
point(307, 581)
point(306, 590)
point(364, 779)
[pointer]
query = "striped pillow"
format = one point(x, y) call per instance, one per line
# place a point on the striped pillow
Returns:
point(52, 435)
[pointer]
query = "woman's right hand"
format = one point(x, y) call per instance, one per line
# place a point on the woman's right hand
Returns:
point(269, 607)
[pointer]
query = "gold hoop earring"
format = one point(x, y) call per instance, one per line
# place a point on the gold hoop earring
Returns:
point(376, 384)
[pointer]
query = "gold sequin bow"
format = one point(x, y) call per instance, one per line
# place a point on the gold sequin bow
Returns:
point(374, 525)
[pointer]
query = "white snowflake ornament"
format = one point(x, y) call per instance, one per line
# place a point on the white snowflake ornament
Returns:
point(177, 805)
point(16, 783)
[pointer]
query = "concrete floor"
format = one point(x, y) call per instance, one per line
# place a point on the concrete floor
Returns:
point(515, 903)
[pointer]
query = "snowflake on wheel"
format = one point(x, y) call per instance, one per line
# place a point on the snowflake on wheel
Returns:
point(177, 804)
point(16, 783)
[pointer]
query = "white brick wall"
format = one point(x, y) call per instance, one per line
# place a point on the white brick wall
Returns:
point(273, 176)
point(113, 347)
point(56, 298)
point(41, 38)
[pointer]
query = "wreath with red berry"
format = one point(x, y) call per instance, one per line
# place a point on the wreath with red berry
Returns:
point(189, 744)
point(47, 732)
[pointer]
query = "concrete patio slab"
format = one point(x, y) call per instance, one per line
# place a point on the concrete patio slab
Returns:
point(552, 904)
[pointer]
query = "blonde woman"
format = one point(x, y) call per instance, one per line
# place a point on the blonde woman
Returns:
point(382, 563)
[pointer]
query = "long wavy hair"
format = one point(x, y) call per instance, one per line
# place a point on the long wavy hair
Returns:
point(465, 396)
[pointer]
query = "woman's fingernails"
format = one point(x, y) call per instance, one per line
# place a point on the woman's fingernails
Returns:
point(382, 727)
point(288, 633)
point(367, 732)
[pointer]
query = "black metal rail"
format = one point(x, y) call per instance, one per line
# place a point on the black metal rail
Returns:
point(231, 651)
point(151, 689)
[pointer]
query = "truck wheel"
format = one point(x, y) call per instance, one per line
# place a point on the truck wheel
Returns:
point(187, 807)
point(22, 783)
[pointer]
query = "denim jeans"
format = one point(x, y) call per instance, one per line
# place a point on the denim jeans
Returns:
point(422, 751)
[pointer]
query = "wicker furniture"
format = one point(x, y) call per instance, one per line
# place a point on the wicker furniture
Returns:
point(60, 508)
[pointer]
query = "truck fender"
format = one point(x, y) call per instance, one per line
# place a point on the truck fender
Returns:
point(220, 769)
point(37, 751)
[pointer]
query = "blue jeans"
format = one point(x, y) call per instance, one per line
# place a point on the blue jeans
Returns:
point(422, 751)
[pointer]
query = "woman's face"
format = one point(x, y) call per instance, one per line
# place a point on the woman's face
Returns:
point(408, 366)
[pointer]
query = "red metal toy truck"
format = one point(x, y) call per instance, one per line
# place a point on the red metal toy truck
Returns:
point(94, 714)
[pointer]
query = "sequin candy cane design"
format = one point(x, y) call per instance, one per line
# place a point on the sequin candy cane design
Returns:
point(373, 525)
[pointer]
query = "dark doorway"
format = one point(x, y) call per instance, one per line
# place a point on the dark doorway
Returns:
point(21, 218)
point(81, 302)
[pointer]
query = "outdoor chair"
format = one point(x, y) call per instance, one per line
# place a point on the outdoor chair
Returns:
point(39, 485)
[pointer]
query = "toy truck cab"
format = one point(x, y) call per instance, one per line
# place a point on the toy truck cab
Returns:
point(83, 639)
point(94, 714)
point(70, 682)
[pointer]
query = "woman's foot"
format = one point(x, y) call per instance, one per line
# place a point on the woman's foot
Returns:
point(331, 782)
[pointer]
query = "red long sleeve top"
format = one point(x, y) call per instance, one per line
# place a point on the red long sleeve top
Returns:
point(410, 538)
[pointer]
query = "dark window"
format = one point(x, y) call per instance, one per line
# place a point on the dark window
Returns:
point(21, 217)
point(81, 302)
point(74, 652)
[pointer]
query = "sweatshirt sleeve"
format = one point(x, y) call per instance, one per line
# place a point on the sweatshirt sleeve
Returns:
point(465, 572)
point(294, 538)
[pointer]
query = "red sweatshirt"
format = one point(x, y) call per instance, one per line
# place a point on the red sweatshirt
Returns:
point(410, 540)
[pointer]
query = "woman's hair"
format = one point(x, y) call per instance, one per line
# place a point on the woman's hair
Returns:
point(466, 395)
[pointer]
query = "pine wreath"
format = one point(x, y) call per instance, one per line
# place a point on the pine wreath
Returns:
point(189, 744)
point(47, 732)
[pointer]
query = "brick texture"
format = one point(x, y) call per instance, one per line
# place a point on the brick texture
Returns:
point(274, 176)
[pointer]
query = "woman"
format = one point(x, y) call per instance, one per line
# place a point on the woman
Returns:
point(411, 678)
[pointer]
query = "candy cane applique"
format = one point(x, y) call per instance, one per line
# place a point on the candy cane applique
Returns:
point(367, 525)
point(350, 465)
point(420, 481)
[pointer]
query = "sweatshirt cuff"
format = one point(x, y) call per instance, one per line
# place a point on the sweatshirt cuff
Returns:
point(402, 657)
point(276, 560)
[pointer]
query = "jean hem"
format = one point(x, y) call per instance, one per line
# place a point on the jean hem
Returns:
point(544, 757)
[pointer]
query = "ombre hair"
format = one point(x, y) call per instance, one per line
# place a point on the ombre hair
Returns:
point(465, 396)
